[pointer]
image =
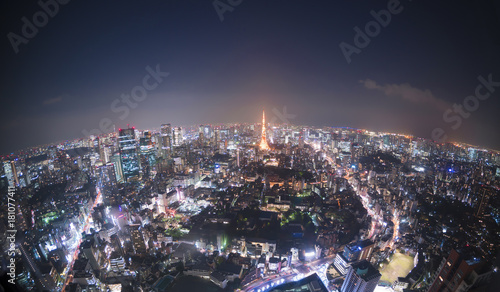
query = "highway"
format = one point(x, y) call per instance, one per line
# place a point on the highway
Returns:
point(85, 228)
point(395, 236)
point(378, 220)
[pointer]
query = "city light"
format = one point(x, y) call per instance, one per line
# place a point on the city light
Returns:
point(240, 146)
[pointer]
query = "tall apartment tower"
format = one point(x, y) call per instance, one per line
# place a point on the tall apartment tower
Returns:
point(7, 166)
point(361, 250)
point(129, 153)
point(117, 164)
point(483, 198)
point(177, 136)
point(91, 252)
point(461, 271)
point(147, 148)
point(361, 277)
point(166, 139)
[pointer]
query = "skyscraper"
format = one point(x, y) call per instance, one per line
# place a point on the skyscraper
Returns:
point(117, 164)
point(128, 153)
point(263, 141)
point(166, 139)
point(358, 251)
point(147, 149)
point(107, 175)
point(362, 277)
point(201, 135)
point(207, 131)
point(216, 139)
point(483, 198)
point(91, 252)
point(461, 271)
point(238, 157)
point(7, 166)
point(177, 135)
point(14, 172)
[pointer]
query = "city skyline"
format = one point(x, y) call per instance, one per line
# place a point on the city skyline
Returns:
point(325, 209)
point(280, 115)
point(250, 146)
point(403, 80)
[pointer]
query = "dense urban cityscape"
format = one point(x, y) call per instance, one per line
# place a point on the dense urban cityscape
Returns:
point(250, 146)
point(252, 207)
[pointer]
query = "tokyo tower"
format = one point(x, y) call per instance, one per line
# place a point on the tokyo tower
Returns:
point(263, 141)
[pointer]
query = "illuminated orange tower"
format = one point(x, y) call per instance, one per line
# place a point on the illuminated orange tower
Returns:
point(263, 141)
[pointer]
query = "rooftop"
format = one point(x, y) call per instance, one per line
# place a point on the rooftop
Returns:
point(365, 270)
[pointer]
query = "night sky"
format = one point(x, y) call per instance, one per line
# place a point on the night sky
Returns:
point(272, 54)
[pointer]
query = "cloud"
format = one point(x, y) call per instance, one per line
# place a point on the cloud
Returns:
point(53, 100)
point(408, 93)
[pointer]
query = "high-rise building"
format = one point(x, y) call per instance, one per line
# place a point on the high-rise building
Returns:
point(7, 168)
point(47, 281)
point(216, 139)
point(29, 258)
point(166, 139)
point(351, 252)
point(207, 131)
point(100, 149)
point(107, 176)
point(116, 262)
point(461, 271)
point(128, 153)
point(483, 198)
point(11, 175)
point(91, 252)
point(106, 151)
point(177, 135)
point(117, 164)
point(147, 149)
point(361, 250)
point(201, 135)
point(362, 277)
point(367, 247)
point(138, 241)
point(14, 172)
point(116, 244)
point(238, 157)
point(342, 263)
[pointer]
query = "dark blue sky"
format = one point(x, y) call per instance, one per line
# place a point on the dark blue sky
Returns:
point(265, 54)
